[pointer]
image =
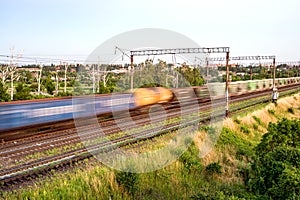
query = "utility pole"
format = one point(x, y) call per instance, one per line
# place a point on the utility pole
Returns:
point(131, 66)
point(131, 73)
point(39, 77)
point(207, 71)
point(251, 72)
point(66, 69)
point(227, 85)
point(274, 73)
point(56, 78)
point(93, 78)
point(274, 91)
point(175, 82)
point(13, 68)
point(298, 67)
point(12, 74)
point(98, 75)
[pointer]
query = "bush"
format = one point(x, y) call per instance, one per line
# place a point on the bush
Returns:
point(128, 180)
point(23, 93)
point(34, 87)
point(275, 170)
point(49, 85)
point(63, 94)
point(4, 96)
point(214, 168)
point(222, 191)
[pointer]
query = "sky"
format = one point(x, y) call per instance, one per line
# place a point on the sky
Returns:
point(76, 28)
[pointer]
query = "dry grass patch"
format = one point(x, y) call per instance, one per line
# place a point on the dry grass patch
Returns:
point(229, 123)
point(199, 138)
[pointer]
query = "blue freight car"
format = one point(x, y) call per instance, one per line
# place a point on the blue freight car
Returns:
point(16, 115)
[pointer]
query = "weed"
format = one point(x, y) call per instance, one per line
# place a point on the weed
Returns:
point(188, 141)
point(257, 119)
point(204, 128)
point(214, 168)
point(236, 120)
point(245, 129)
point(271, 111)
point(291, 110)
point(190, 158)
point(255, 126)
point(128, 180)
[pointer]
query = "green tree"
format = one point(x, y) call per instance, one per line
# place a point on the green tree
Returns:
point(25, 76)
point(192, 76)
point(4, 96)
point(23, 93)
point(275, 171)
point(49, 85)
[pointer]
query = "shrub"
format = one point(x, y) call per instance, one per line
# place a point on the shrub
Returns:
point(214, 168)
point(4, 96)
point(34, 87)
point(49, 85)
point(63, 94)
point(23, 93)
point(275, 170)
point(128, 180)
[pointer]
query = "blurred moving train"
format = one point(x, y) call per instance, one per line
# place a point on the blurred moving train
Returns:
point(15, 115)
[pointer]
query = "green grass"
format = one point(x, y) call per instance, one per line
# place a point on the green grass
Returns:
point(184, 179)
point(271, 111)
point(187, 178)
point(258, 120)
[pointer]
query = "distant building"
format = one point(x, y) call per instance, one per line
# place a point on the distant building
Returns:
point(33, 69)
point(240, 73)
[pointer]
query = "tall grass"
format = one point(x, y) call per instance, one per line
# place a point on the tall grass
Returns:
point(186, 178)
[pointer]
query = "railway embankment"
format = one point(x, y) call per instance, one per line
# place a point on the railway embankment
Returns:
point(221, 174)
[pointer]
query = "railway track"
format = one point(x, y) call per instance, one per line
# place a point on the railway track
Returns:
point(18, 151)
point(19, 173)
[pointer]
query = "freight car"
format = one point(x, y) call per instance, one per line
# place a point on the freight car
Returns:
point(148, 96)
point(33, 112)
point(241, 87)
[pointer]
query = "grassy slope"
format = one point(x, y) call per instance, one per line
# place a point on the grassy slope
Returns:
point(188, 177)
